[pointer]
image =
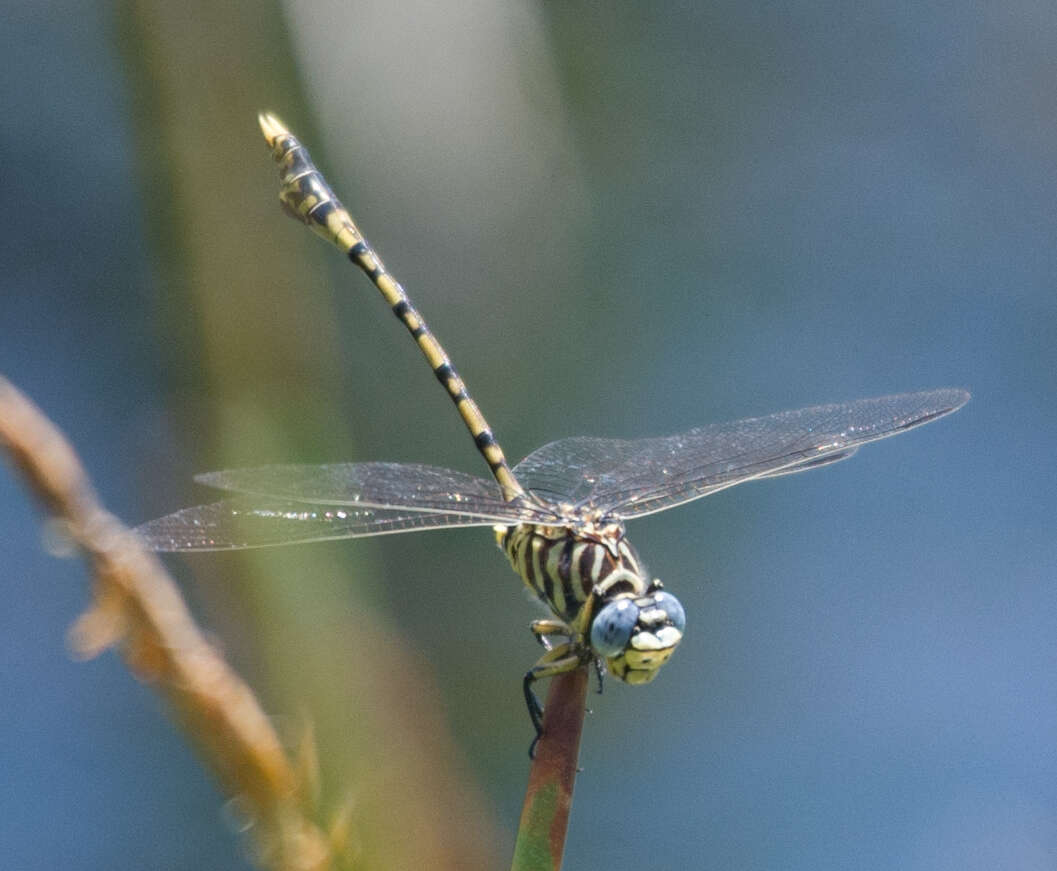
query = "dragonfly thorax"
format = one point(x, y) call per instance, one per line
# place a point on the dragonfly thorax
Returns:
point(562, 565)
point(631, 622)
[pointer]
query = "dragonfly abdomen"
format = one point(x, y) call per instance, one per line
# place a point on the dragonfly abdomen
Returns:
point(562, 566)
point(307, 196)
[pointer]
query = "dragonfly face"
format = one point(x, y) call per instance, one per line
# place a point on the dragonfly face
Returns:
point(638, 634)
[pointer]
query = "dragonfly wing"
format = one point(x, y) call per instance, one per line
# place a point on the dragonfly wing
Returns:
point(812, 464)
point(406, 487)
point(244, 522)
point(627, 479)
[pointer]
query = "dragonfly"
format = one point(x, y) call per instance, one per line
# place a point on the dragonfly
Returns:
point(559, 515)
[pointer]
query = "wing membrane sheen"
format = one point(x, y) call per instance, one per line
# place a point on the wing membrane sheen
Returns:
point(624, 479)
point(402, 486)
point(234, 524)
point(627, 479)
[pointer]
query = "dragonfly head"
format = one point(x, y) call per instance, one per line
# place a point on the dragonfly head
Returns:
point(638, 634)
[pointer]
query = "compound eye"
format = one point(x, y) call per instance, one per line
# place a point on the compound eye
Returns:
point(612, 627)
point(672, 607)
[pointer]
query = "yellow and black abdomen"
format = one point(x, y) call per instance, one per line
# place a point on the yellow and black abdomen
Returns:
point(306, 196)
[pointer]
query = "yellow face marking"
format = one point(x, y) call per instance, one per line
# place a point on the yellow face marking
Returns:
point(635, 677)
point(649, 660)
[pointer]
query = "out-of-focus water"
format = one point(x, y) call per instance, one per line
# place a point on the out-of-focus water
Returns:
point(623, 221)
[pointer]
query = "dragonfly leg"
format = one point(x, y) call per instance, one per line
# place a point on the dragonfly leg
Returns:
point(600, 672)
point(557, 660)
point(543, 629)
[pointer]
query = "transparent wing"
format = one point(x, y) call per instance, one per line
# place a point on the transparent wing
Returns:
point(234, 524)
point(628, 479)
point(292, 504)
point(408, 487)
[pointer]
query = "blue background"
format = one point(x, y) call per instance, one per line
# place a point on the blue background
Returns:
point(622, 219)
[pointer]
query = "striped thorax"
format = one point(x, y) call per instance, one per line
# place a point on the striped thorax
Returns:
point(594, 581)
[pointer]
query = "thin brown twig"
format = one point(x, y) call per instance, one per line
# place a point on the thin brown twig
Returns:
point(138, 607)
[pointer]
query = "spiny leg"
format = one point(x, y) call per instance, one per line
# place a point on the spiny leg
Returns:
point(544, 629)
point(600, 672)
point(306, 196)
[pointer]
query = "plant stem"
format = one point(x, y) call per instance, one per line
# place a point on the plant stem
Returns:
point(549, 795)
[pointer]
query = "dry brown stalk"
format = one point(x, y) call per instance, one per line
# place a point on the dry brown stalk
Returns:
point(138, 607)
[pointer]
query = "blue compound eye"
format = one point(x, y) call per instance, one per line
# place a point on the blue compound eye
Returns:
point(612, 627)
point(671, 606)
